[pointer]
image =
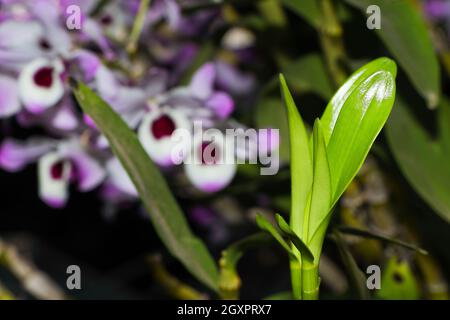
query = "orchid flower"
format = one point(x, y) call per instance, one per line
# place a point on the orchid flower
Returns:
point(59, 164)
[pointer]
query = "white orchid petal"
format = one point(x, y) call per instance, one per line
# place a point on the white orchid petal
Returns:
point(40, 85)
point(53, 178)
point(210, 176)
point(155, 134)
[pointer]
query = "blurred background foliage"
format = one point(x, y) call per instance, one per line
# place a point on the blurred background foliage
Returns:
point(402, 191)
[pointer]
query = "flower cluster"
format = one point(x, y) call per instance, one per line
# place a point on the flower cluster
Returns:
point(39, 55)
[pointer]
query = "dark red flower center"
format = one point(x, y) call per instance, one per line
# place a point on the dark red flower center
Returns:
point(57, 170)
point(106, 20)
point(44, 44)
point(162, 127)
point(209, 153)
point(44, 77)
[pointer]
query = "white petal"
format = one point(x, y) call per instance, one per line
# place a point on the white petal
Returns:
point(160, 148)
point(39, 96)
point(214, 176)
point(53, 179)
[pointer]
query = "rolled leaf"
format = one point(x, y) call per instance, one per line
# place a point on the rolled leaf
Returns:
point(354, 118)
point(321, 191)
point(301, 162)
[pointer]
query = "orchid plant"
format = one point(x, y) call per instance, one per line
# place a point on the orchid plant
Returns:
point(322, 166)
point(325, 162)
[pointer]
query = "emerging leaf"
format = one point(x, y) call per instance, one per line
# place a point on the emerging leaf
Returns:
point(321, 191)
point(265, 225)
point(296, 241)
point(354, 118)
point(301, 162)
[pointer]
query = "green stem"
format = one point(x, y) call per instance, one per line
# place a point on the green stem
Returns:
point(310, 281)
point(332, 43)
point(296, 278)
point(174, 287)
point(137, 26)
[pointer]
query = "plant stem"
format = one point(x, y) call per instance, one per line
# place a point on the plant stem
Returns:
point(331, 41)
point(174, 287)
point(296, 278)
point(137, 26)
point(310, 281)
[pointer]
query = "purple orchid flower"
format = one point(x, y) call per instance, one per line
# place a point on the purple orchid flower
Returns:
point(59, 164)
point(37, 55)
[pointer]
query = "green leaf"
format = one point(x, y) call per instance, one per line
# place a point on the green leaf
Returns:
point(265, 224)
point(165, 214)
point(404, 32)
point(301, 162)
point(308, 74)
point(354, 118)
point(321, 192)
point(273, 12)
point(371, 235)
point(293, 237)
point(398, 282)
point(357, 277)
point(424, 162)
point(307, 9)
